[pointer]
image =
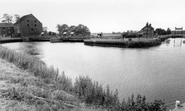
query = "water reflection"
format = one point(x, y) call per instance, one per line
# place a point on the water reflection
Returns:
point(31, 48)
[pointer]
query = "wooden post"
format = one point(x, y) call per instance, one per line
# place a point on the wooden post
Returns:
point(182, 31)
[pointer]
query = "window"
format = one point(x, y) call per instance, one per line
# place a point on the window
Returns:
point(27, 20)
point(35, 25)
point(28, 25)
point(35, 21)
point(32, 29)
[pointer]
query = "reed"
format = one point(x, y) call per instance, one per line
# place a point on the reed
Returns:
point(29, 63)
point(43, 87)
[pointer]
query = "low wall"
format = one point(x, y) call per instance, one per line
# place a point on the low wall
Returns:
point(10, 40)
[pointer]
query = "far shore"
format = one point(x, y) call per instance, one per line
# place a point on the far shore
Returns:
point(104, 42)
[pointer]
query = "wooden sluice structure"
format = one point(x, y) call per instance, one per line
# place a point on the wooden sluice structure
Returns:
point(178, 33)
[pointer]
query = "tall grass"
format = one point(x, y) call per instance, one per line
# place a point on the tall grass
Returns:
point(144, 43)
point(47, 90)
point(92, 93)
point(37, 67)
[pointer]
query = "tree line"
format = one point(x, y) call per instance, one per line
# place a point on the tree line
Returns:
point(161, 31)
point(157, 31)
point(76, 30)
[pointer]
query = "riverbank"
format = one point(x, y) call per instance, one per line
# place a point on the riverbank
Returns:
point(21, 90)
point(127, 42)
point(9, 40)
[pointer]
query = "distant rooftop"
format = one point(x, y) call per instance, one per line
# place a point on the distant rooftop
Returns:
point(6, 25)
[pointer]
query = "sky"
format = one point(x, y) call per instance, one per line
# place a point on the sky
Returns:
point(101, 15)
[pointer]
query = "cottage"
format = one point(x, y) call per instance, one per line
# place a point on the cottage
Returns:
point(28, 25)
point(6, 29)
point(147, 31)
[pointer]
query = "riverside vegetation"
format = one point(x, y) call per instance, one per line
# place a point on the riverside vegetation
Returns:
point(51, 91)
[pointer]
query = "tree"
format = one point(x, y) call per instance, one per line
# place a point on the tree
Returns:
point(72, 28)
point(82, 30)
point(160, 31)
point(10, 18)
point(7, 18)
point(168, 31)
point(78, 30)
point(62, 28)
point(16, 17)
point(45, 29)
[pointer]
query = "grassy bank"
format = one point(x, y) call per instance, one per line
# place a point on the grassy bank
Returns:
point(38, 86)
point(144, 43)
point(42, 88)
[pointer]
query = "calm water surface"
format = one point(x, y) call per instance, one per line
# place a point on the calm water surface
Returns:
point(157, 72)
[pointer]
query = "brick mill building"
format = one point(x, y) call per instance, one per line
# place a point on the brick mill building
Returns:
point(28, 25)
point(6, 29)
point(147, 31)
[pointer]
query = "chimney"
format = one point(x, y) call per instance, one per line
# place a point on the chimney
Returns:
point(147, 24)
point(150, 25)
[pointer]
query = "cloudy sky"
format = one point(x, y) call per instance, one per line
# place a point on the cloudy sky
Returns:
point(101, 15)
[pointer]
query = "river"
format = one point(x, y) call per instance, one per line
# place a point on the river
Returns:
point(157, 72)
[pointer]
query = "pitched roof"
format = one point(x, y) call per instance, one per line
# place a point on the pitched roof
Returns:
point(149, 26)
point(23, 17)
point(6, 25)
